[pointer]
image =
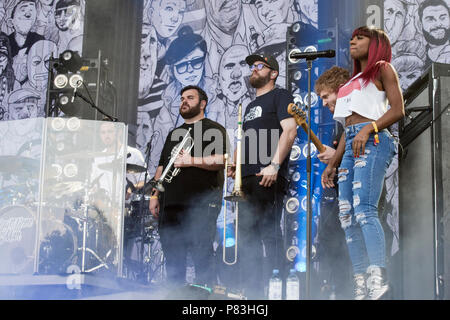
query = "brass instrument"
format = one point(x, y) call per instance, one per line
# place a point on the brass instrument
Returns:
point(186, 144)
point(236, 195)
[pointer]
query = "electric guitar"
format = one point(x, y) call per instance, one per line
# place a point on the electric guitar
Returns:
point(300, 117)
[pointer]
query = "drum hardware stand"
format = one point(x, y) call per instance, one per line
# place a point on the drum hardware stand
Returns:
point(309, 56)
point(84, 248)
point(141, 205)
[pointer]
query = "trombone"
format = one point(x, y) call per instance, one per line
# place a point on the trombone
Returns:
point(236, 195)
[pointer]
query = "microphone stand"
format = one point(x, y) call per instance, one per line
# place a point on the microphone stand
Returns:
point(308, 188)
point(141, 205)
point(77, 94)
point(309, 58)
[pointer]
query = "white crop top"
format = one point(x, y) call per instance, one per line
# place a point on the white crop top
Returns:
point(366, 101)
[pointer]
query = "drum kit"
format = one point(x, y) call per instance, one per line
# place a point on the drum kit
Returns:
point(74, 228)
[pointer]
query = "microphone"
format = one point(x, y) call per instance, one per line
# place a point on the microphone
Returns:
point(313, 55)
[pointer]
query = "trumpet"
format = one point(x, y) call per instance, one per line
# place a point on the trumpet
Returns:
point(169, 173)
point(236, 195)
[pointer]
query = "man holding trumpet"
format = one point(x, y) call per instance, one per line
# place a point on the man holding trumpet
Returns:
point(269, 133)
point(191, 201)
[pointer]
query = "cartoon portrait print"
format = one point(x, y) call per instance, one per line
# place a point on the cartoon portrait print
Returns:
point(31, 32)
point(419, 31)
point(69, 19)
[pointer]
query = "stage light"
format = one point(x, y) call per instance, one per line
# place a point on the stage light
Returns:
point(295, 153)
point(296, 176)
point(313, 252)
point(61, 81)
point(56, 170)
point(293, 51)
point(73, 124)
point(292, 205)
point(58, 124)
point(76, 80)
point(292, 252)
point(298, 99)
point(65, 105)
point(70, 170)
point(297, 75)
point(296, 27)
point(71, 60)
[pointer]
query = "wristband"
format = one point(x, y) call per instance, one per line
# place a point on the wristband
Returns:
point(377, 140)
point(275, 165)
point(154, 197)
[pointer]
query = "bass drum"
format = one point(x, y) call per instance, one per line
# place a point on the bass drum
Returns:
point(17, 240)
point(58, 247)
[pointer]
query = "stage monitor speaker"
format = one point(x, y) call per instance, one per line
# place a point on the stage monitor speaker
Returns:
point(424, 184)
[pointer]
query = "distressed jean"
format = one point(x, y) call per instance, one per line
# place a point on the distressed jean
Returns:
point(360, 185)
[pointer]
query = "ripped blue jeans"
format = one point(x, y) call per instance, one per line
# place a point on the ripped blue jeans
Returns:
point(360, 185)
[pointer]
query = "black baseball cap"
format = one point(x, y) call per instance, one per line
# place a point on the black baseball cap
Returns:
point(270, 60)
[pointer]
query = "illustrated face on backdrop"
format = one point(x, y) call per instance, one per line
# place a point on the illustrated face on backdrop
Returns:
point(66, 17)
point(272, 11)
point(37, 66)
point(166, 16)
point(409, 68)
point(143, 120)
point(406, 78)
point(23, 110)
point(309, 8)
point(233, 70)
point(189, 70)
point(149, 48)
point(47, 2)
point(436, 25)
point(394, 18)
point(224, 13)
point(24, 17)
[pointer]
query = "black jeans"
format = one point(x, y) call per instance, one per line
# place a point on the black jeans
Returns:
point(191, 229)
point(260, 243)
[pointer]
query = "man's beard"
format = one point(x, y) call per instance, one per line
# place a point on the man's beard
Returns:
point(436, 42)
point(192, 112)
point(259, 82)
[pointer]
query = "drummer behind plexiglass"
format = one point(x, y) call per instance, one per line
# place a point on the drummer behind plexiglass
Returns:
point(109, 137)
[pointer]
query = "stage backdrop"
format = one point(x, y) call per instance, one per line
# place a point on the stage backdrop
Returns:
point(32, 31)
point(172, 55)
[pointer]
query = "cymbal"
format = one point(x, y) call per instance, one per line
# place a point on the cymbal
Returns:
point(134, 168)
point(86, 155)
point(131, 168)
point(15, 164)
point(65, 188)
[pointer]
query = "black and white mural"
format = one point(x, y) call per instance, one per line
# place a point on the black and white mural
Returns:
point(31, 32)
point(204, 43)
point(419, 31)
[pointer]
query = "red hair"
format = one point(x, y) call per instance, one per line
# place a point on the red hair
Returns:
point(379, 53)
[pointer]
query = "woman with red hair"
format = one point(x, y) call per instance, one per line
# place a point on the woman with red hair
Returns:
point(364, 153)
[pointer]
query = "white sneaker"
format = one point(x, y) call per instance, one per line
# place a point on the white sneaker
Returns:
point(376, 283)
point(359, 290)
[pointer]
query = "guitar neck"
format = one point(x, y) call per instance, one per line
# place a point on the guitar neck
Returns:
point(314, 138)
